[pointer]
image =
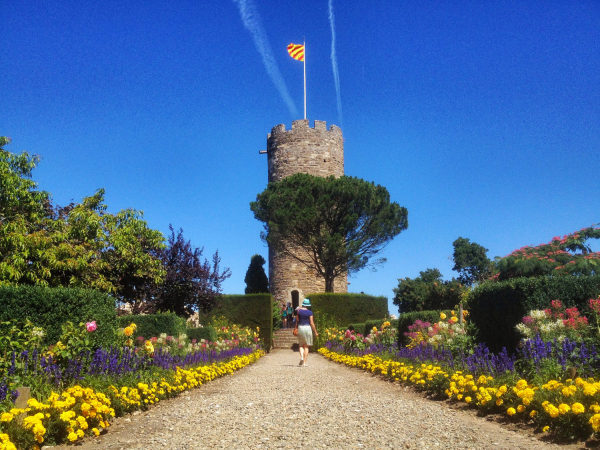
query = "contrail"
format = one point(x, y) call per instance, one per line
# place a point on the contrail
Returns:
point(336, 75)
point(253, 24)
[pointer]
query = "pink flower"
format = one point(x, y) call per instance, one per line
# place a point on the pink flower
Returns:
point(91, 326)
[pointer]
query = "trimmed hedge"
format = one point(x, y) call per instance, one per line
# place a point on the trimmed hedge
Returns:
point(497, 307)
point(349, 308)
point(365, 328)
point(49, 308)
point(207, 333)
point(407, 319)
point(154, 324)
point(252, 310)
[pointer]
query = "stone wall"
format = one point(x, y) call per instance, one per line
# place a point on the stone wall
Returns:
point(316, 151)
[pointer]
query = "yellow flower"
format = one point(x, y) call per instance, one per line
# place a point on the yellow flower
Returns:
point(128, 331)
point(577, 408)
point(564, 408)
point(546, 428)
point(511, 411)
point(442, 316)
point(521, 408)
point(72, 437)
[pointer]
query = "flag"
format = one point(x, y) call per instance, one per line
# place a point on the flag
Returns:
point(296, 51)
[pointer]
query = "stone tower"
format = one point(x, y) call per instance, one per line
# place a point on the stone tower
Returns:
point(316, 151)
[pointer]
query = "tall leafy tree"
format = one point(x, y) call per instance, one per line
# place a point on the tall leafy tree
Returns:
point(427, 292)
point(256, 279)
point(80, 245)
point(191, 283)
point(471, 261)
point(338, 224)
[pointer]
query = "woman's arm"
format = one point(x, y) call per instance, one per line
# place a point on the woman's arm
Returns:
point(312, 325)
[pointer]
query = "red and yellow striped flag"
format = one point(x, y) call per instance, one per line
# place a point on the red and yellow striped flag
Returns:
point(296, 51)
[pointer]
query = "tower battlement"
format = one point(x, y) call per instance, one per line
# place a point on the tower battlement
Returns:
point(302, 124)
point(316, 151)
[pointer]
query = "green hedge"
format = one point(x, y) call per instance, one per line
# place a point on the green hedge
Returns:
point(49, 308)
point(349, 308)
point(152, 325)
point(207, 333)
point(252, 310)
point(497, 307)
point(366, 327)
point(407, 319)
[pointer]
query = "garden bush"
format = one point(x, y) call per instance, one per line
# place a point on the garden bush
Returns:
point(407, 319)
point(151, 325)
point(50, 308)
point(346, 308)
point(206, 332)
point(366, 327)
point(252, 310)
point(497, 307)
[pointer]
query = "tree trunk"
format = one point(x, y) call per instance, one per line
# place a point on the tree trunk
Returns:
point(329, 278)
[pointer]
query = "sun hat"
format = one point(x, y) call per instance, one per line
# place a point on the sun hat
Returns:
point(306, 302)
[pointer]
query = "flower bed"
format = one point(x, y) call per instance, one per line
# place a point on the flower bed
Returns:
point(76, 390)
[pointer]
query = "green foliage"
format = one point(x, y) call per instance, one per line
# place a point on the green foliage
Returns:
point(77, 246)
point(365, 328)
point(277, 316)
point(74, 340)
point(50, 308)
point(152, 325)
point(569, 255)
point(256, 279)
point(322, 322)
point(471, 262)
point(427, 292)
point(340, 223)
point(407, 319)
point(206, 332)
point(345, 309)
point(16, 336)
point(496, 308)
point(252, 310)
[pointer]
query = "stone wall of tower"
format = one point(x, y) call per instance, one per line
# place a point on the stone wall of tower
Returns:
point(316, 151)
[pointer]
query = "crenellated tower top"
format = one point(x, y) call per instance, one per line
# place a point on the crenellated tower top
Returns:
point(316, 151)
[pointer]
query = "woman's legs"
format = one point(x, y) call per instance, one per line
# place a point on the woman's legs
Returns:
point(301, 348)
point(305, 353)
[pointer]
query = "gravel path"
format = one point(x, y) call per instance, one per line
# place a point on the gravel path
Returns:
point(276, 404)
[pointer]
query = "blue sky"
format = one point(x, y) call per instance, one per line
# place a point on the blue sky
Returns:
point(482, 118)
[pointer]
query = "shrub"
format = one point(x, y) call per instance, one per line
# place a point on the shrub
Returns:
point(497, 307)
point(408, 319)
point(366, 327)
point(252, 310)
point(346, 308)
point(206, 332)
point(153, 325)
point(50, 308)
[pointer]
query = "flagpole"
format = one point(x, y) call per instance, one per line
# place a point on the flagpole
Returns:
point(304, 39)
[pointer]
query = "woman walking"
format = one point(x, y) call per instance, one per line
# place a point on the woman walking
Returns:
point(305, 325)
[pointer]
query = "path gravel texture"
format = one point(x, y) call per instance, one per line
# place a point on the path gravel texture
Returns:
point(275, 404)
